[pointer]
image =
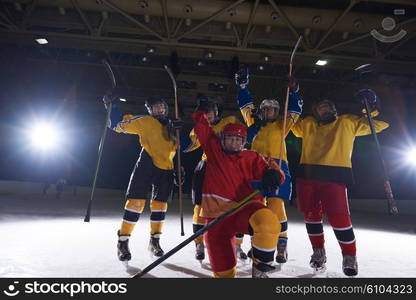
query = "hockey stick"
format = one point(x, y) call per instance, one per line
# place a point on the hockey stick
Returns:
point(287, 102)
point(391, 203)
point(196, 234)
point(178, 151)
point(101, 146)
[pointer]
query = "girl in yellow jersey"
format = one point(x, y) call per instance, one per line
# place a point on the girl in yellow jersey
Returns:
point(325, 171)
point(153, 171)
point(265, 136)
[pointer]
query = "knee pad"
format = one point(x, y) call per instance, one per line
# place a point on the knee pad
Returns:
point(158, 206)
point(264, 221)
point(135, 204)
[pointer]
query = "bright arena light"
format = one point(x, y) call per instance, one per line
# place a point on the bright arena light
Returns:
point(321, 62)
point(411, 156)
point(44, 136)
point(42, 41)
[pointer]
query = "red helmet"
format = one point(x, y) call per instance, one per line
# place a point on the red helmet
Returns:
point(235, 129)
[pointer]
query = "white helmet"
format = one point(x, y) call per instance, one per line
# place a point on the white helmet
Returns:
point(269, 103)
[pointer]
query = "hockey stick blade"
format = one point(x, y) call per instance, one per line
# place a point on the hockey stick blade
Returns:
point(363, 69)
point(171, 76)
point(295, 49)
point(110, 73)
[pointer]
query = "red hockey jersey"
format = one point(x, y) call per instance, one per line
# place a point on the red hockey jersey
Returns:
point(228, 177)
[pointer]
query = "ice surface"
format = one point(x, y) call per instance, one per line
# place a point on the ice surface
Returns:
point(46, 237)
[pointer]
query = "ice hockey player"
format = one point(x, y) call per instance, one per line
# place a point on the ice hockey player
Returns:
point(265, 136)
point(325, 172)
point(230, 170)
point(153, 170)
point(211, 110)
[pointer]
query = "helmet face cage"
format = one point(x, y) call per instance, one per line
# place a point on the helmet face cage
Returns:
point(234, 130)
point(269, 103)
point(210, 106)
point(153, 101)
point(243, 141)
point(330, 104)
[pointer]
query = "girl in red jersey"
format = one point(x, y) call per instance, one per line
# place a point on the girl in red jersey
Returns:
point(230, 175)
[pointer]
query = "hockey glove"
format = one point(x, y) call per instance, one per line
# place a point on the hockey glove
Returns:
point(258, 121)
point(293, 84)
point(110, 96)
point(271, 181)
point(371, 97)
point(176, 124)
point(172, 126)
point(241, 77)
point(368, 94)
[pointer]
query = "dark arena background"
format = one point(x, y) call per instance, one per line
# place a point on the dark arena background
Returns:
point(51, 72)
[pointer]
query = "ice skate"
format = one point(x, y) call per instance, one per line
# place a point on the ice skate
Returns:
point(199, 251)
point(318, 260)
point(349, 265)
point(154, 246)
point(260, 270)
point(123, 251)
point(281, 256)
point(240, 253)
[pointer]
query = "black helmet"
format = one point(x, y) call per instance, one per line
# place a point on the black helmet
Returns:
point(204, 103)
point(326, 118)
point(151, 101)
point(208, 106)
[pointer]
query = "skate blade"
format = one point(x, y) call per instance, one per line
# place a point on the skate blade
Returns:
point(242, 258)
point(319, 270)
point(277, 268)
point(350, 276)
point(153, 256)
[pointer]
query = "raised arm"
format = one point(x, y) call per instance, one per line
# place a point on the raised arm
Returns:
point(122, 124)
point(362, 126)
point(244, 99)
point(294, 109)
point(204, 132)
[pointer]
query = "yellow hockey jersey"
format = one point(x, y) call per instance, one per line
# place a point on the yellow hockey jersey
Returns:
point(327, 149)
point(266, 140)
point(153, 137)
